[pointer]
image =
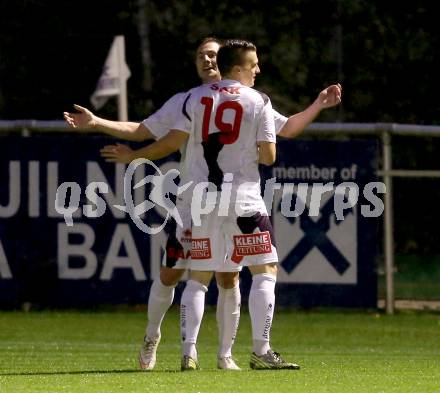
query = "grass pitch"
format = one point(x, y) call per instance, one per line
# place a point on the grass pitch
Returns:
point(338, 352)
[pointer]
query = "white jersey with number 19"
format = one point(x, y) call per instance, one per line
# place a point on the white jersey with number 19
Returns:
point(226, 120)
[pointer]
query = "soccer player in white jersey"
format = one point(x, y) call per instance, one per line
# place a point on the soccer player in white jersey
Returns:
point(227, 127)
point(162, 290)
point(231, 129)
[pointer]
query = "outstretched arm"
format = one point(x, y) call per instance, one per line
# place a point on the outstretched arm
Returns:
point(327, 98)
point(129, 131)
point(157, 150)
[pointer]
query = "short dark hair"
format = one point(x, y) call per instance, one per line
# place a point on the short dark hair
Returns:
point(231, 54)
point(208, 39)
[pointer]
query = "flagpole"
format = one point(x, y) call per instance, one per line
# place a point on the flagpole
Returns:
point(122, 96)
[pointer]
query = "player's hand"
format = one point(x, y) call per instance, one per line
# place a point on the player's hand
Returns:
point(330, 96)
point(117, 153)
point(83, 118)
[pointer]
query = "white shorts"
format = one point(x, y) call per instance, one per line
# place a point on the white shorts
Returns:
point(226, 244)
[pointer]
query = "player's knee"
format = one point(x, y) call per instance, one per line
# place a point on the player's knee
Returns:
point(170, 277)
point(201, 276)
point(227, 280)
point(270, 268)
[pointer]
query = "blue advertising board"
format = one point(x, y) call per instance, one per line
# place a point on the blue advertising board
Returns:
point(108, 259)
point(327, 258)
point(44, 261)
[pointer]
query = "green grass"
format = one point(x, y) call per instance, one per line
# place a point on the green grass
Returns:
point(338, 351)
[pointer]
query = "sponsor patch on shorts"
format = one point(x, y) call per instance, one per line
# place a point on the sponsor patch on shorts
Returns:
point(252, 244)
point(186, 236)
point(200, 248)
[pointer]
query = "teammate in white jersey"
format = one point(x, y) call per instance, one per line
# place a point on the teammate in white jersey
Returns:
point(174, 263)
point(162, 290)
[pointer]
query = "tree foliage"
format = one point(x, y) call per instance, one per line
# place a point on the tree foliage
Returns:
point(384, 53)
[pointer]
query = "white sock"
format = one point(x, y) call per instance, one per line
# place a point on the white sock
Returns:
point(261, 306)
point(228, 317)
point(192, 307)
point(159, 301)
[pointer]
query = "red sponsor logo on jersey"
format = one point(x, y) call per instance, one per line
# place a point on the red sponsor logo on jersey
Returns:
point(253, 244)
point(230, 90)
point(226, 89)
point(200, 248)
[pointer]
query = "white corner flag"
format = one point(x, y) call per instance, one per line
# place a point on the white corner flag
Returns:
point(113, 80)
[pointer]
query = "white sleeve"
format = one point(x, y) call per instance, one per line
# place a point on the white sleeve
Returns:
point(279, 121)
point(266, 126)
point(183, 120)
point(161, 121)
